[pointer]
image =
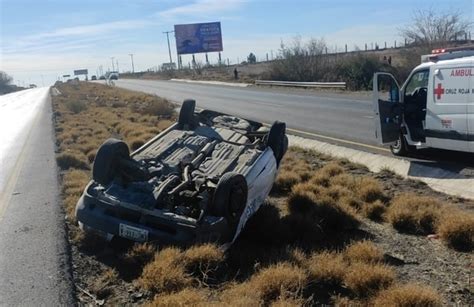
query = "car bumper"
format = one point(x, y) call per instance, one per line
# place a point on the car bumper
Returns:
point(109, 220)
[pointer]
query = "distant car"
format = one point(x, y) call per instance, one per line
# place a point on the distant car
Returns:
point(93, 78)
point(102, 78)
point(113, 75)
point(199, 180)
point(32, 85)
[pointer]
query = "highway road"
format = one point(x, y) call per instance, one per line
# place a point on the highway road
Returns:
point(330, 114)
point(340, 118)
point(34, 258)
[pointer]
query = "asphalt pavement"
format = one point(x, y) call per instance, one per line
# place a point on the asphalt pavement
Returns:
point(338, 118)
point(34, 258)
point(331, 114)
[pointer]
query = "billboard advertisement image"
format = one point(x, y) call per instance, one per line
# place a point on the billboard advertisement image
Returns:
point(198, 37)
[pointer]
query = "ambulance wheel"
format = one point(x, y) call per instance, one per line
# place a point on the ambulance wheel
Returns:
point(277, 140)
point(401, 147)
point(186, 114)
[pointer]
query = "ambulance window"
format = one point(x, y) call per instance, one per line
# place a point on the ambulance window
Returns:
point(418, 80)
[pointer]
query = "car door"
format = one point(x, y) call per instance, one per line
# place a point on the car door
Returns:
point(387, 108)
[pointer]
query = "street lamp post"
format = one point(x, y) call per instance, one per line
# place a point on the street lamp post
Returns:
point(113, 67)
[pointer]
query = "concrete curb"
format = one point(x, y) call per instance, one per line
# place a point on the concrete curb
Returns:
point(438, 179)
point(212, 82)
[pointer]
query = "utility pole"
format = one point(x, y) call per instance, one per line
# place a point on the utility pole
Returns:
point(116, 61)
point(169, 47)
point(131, 57)
point(113, 67)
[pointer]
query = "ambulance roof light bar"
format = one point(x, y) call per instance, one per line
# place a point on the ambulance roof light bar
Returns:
point(448, 53)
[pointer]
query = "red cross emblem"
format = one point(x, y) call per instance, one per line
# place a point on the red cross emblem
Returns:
point(439, 91)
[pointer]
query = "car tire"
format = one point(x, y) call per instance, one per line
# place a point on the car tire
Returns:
point(230, 199)
point(107, 160)
point(186, 114)
point(401, 147)
point(277, 140)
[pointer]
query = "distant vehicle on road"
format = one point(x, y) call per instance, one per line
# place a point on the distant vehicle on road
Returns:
point(32, 86)
point(93, 78)
point(102, 78)
point(199, 180)
point(112, 75)
point(434, 107)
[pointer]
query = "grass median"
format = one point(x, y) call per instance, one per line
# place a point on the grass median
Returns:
point(326, 235)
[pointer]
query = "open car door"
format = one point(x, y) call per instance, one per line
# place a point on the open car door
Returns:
point(387, 108)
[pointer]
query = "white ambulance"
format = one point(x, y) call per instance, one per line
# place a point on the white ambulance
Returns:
point(434, 107)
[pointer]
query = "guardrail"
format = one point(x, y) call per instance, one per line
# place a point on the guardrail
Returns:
point(302, 84)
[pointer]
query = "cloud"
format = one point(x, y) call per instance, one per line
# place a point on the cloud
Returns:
point(202, 8)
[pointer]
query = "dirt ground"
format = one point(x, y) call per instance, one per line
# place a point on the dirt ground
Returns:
point(104, 273)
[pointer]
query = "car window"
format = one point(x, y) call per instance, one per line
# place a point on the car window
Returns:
point(418, 79)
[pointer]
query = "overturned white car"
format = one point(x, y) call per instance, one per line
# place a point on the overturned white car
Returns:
point(199, 180)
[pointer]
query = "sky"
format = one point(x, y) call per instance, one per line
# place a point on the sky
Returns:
point(41, 40)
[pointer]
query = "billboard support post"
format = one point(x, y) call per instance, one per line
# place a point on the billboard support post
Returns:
point(220, 59)
point(207, 59)
point(194, 61)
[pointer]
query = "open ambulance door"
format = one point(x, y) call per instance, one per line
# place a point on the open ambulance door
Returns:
point(387, 108)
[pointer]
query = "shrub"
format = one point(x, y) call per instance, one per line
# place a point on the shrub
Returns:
point(159, 107)
point(457, 230)
point(240, 295)
point(166, 273)
point(186, 297)
point(374, 211)
point(366, 279)
point(286, 180)
point(279, 279)
point(203, 260)
point(414, 214)
point(76, 106)
point(327, 268)
point(140, 254)
point(101, 285)
point(370, 190)
point(322, 209)
point(408, 295)
point(363, 251)
point(68, 160)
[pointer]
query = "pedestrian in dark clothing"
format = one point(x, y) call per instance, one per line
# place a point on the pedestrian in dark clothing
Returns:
point(236, 74)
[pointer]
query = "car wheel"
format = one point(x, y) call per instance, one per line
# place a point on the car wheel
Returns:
point(107, 160)
point(277, 140)
point(401, 148)
point(186, 114)
point(230, 198)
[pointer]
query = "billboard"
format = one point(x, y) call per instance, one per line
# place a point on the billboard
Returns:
point(80, 72)
point(198, 37)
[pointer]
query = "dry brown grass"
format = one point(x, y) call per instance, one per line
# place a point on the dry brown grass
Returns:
point(241, 295)
point(292, 170)
point(140, 254)
point(413, 295)
point(67, 160)
point(456, 228)
point(327, 268)
point(370, 190)
point(414, 214)
point(363, 251)
point(166, 273)
point(186, 297)
point(374, 211)
point(364, 280)
point(325, 212)
point(279, 280)
point(203, 260)
point(74, 182)
point(102, 284)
